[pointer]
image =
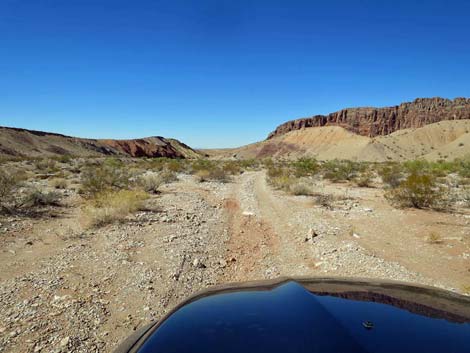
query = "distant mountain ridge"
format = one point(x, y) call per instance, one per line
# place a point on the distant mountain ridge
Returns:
point(371, 122)
point(32, 143)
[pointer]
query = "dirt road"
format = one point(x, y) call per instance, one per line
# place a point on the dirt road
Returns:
point(66, 289)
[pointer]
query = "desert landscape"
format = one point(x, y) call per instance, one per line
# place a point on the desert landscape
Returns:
point(100, 237)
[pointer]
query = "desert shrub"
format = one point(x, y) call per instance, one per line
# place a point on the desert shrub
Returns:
point(175, 165)
point(232, 168)
point(156, 164)
point(59, 183)
point(391, 175)
point(324, 200)
point(440, 168)
point(202, 175)
point(202, 164)
point(300, 189)
point(249, 164)
point(434, 238)
point(150, 182)
point(46, 165)
point(35, 198)
point(8, 185)
point(66, 159)
point(97, 179)
point(364, 180)
point(282, 182)
point(274, 171)
point(305, 167)
point(463, 167)
point(418, 191)
point(214, 174)
point(338, 171)
point(167, 176)
point(112, 206)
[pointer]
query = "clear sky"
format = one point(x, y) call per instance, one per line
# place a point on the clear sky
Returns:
point(216, 73)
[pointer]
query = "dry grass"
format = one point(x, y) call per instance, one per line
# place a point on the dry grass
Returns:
point(214, 174)
point(364, 180)
point(301, 188)
point(111, 207)
point(434, 238)
point(37, 198)
point(150, 182)
point(58, 183)
point(282, 182)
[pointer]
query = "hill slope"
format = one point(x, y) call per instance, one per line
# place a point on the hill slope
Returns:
point(29, 143)
point(443, 140)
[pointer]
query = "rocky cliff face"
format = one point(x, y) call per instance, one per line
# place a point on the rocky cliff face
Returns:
point(383, 121)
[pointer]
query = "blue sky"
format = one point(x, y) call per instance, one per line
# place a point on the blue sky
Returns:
point(216, 73)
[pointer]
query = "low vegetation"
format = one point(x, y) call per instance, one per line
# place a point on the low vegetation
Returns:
point(36, 198)
point(342, 171)
point(301, 188)
point(8, 185)
point(418, 190)
point(112, 206)
point(96, 179)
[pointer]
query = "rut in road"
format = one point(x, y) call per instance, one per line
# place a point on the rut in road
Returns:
point(264, 243)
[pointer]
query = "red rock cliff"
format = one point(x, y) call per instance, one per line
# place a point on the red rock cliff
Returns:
point(383, 121)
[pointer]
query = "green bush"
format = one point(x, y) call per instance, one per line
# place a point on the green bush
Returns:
point(463, 167)
point(305, 167)
point(418, 191)
point(338, 171)
point(391, 175)
point(282, 182)
point(175, 165)
point(97, 179)
point(202, 164)
point(232, 168)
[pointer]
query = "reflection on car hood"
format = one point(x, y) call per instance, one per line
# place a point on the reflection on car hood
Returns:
point(312, 315)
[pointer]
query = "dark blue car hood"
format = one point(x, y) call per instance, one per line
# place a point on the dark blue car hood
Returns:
point(312, 315)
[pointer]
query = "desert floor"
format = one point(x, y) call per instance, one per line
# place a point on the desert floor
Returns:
point(67, 289)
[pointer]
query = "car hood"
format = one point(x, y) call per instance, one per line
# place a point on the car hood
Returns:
point(312, 315)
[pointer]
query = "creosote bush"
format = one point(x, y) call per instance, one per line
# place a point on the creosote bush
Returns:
point(8, 185)
point(305, 167)
point(418, 191)
point(391, 175)
point(97, 179)
point(112, 206)
point(340, 171)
